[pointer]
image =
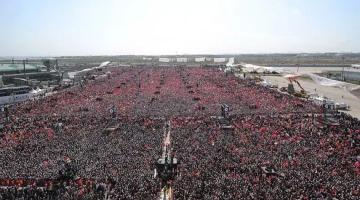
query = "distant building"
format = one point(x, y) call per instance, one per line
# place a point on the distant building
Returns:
point(17, 69)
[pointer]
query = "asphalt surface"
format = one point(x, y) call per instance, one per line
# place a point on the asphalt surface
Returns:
point(339, 95)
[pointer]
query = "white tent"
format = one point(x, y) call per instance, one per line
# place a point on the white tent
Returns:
point(181, 59)
point(200, 59)
point(164, 59)
point(251, 66)
point(73, 74)
point(219, 60)
point(104, 64)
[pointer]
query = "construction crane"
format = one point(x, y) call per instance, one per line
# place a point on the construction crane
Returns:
point(255, 76)
point(302, 91)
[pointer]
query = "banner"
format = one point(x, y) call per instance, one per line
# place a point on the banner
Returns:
point(333, 83)
point(181, 59)
point(219, 59)
point(147, 58)
point(164, 60)
point(208, 59)
point(200, 59)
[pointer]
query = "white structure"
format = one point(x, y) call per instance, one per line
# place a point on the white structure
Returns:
point(219, 60)
point(164, 59)
point(181, 59)
point(103, 64)
point(341, 106)
point(25, 94)
point(356, 66)
point(84, 71)
point(317, 79)
point(323, 100)
point(208, 59)
point(200, 59)
point(266, 83)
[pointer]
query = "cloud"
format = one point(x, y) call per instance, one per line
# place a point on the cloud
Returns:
point(295, 11)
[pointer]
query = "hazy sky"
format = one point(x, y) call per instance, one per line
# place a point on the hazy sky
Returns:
point(114, 27)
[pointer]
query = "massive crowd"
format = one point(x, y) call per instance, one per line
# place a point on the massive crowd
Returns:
point(278, 149)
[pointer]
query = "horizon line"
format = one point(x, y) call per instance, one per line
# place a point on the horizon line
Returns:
point(181, 55)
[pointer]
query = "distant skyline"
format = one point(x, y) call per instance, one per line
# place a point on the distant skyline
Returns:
point(35, 28)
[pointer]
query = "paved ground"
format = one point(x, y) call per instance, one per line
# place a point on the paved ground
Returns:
point(339, 95)
point(165, 193)
point(166, 139)
point(315, 69)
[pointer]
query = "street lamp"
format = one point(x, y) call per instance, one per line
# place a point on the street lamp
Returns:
point(317, 60)
point(343, 77)
point(297, 63)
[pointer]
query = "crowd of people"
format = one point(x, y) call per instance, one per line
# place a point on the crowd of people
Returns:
point(110, 132)
point(308, 161)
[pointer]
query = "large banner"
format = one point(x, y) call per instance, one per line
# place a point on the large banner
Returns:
point(200, 59)
point(219, 59)
point(333, 83)
point(164, 60)
point(181, 59)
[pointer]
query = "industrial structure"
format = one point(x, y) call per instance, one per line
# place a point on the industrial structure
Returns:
point(33, 73)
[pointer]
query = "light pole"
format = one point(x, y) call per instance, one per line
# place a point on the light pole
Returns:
point(297, 63)
point(316, 58)
point(343, 77)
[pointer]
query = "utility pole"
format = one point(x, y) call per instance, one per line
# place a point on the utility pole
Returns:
point(317, 58)
point(343, 77)
point(297, 63)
